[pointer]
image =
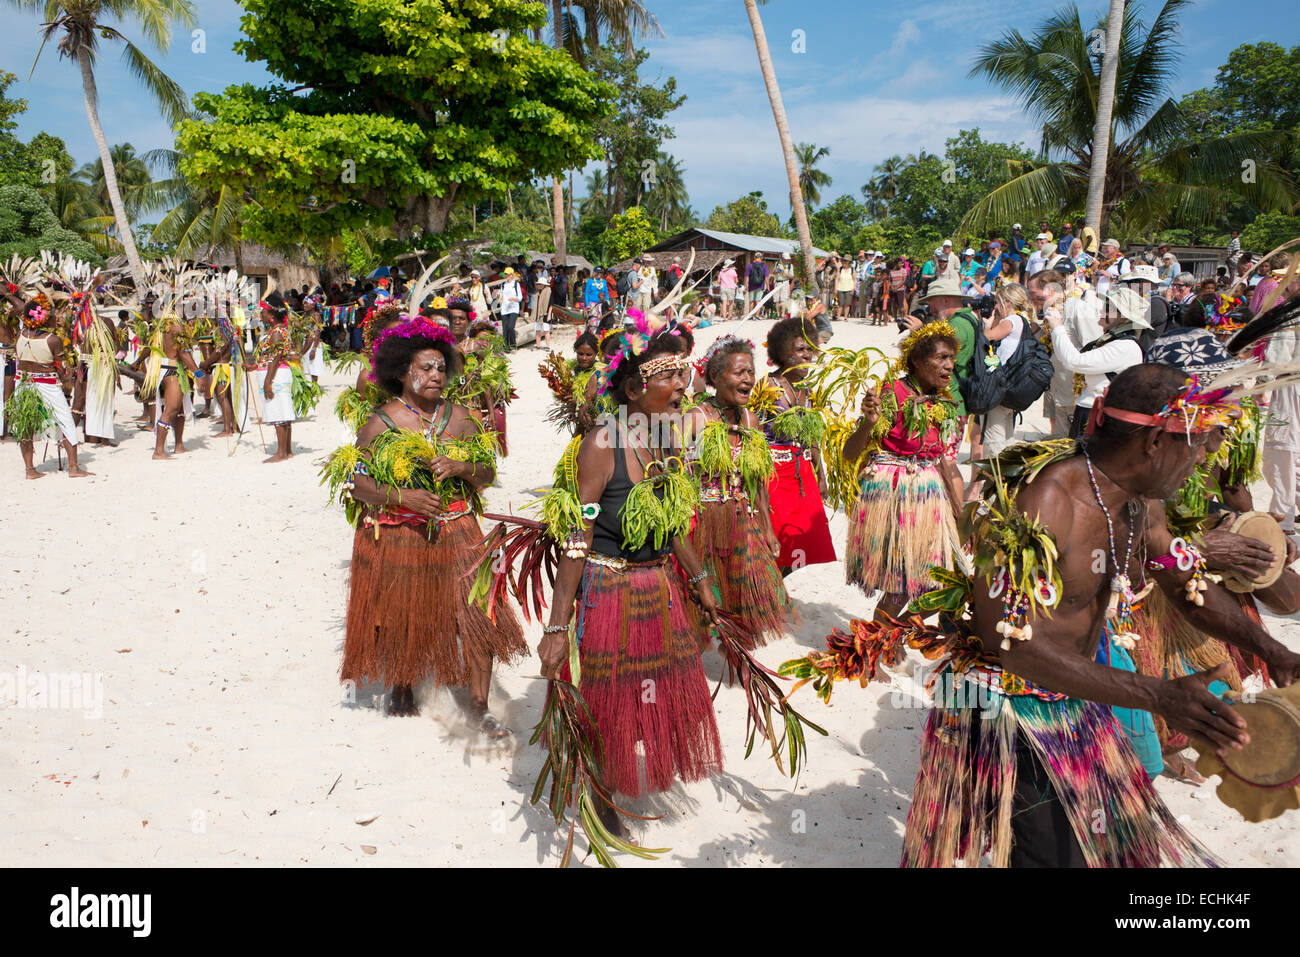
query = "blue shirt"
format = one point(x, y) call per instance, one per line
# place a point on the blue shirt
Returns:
point(1063, 247)
point(596, 288)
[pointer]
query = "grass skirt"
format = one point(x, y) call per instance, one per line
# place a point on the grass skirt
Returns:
point(642, 678)
point(962, 802)
point(408, 603)
point(900, 525)
point(798, 512)
point(733, 547)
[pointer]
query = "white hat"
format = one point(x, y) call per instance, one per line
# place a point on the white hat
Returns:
point(938, 251)
point(1112, 242)
point(1041, 236)
point(1131, 306)
point(785, 256)
point(475, 272)
point(968, 252)
point(1016, 226)
point(947, 242)
point(727, 262)
point(1142, 273)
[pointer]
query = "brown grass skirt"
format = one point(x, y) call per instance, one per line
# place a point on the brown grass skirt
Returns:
point(408, 605)
point(732, 546)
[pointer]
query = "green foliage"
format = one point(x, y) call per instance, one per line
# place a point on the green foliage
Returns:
point(628, 233)
point(749, 214)
point(1268, 231)
point(27, 226)
point(587, 237)
point(412, 103)
point(22, 164)
point(511, 234)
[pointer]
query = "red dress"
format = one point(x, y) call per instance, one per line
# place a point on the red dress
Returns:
point(795, 499)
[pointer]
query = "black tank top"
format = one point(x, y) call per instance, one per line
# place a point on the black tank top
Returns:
point(607, 536)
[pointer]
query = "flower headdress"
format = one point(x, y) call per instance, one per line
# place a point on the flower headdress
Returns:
point(1194, 409)
point(411, 327)
point(36, 316)
point(383, 306)
point(633, 342)
point(718, 344)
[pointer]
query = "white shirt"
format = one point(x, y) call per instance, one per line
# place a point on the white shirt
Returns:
point(511, 294)
point(1115, 356)
point(1036, 264)
point(1007, 346)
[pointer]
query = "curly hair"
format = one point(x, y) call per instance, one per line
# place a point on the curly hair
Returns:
point(926, 347)
point(587, 339)
point(781, 338)
point(394, 356)
point(481, 325)
point(718, 360)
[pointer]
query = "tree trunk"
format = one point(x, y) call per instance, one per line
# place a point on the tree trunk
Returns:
point(1101, 130)
point(110, 174)
point(510, 202)
point(558, 231)
point(787, 145)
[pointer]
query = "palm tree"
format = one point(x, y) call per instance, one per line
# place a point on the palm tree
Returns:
point(1154, 178)
point(624, 20)
point(1105, 109)
point(82, 24)
point(132, 175)
point(811, 179)
point(597, 202)
point(882, 190)
point(668, 200)
point(783, 131)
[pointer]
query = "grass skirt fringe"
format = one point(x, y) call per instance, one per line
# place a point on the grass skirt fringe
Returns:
point(962, 802)
point(900, 526)
point(642, 678)
point(408, 604)
point(733, 547)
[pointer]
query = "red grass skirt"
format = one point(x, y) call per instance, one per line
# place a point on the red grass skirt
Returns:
point(733, 547)
point(798, 513)
point(408, 604)
point(642, 678)
point(499, 427)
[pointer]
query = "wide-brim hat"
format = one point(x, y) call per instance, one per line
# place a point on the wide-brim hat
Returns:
point(1142, 273)
point(946, 285)
point(1131, 306)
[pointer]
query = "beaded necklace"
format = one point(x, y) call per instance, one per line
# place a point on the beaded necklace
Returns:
point(425, 420)
point(1119, 611)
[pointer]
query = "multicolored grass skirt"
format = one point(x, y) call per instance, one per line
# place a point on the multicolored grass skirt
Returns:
point(408, 605)
point(798, 512)
point(962, 802)
point(642, 678)
point(732, 544)
point(900, 526)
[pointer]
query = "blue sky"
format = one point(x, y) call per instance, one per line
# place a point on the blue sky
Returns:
point(874, 79)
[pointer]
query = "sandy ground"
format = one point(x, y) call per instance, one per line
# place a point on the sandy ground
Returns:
point(205, 596)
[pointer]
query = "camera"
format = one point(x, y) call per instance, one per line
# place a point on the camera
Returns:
point(983, 305)
point(921, 312)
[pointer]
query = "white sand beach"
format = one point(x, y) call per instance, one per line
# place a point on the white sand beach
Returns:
point(206, 596)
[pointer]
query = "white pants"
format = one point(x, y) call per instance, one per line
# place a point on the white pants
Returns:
point(999, 430)
point(99, 399)
point(277, 410)
point(57, 403)
point(1279, 470)
point(313, 362)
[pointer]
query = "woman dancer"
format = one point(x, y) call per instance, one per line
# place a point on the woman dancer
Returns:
point(733, 534)
point(794, 432)
point(275, 352)
point(638, 639)
point(411, 482)
point(903, 522)
point(38, 404)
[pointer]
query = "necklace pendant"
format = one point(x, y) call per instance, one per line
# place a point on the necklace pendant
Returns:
point(1121, 585)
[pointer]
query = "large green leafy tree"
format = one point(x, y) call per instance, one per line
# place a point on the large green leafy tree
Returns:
point(749, 214)
point(1155, 178)
point(396, 109)
point(27, 226)
point(627, 234)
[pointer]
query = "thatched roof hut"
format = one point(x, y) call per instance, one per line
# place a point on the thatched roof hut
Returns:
point(713, 247)
point(261, 265)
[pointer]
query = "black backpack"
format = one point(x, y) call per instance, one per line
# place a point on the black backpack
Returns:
point(983, 389)
point(1027, 374)
point(624, 284)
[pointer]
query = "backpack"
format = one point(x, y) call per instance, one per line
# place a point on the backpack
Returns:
point(983, 389)
point(1027, 374)
point(624, 284)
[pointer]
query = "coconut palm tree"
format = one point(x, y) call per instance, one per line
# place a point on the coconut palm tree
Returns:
point(811, 179)
point(668, 200)
point(882, 189)
point(1105, 109)
point(597, 202)
point(623, 20)
point(1154, 178)
point(783, 131)
point(80, 25)
point(133, 180)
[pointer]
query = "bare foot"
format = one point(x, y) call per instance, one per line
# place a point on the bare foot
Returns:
point(162, 455)
point(277, 457)
point(180, 449)
point(493, 728)
point(225, 432)
point(145, 427)
point(79, 473)
point(402, 702)
point(33, 474)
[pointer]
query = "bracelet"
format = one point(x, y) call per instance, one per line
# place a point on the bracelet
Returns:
point(554, 629)
point(698, 578)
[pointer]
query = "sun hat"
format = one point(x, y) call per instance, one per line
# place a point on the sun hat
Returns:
point(1111, 242)
point(1016, 226)
point(509, 271)
point(1142, 273)
point(945, 285)
point(1040, 237)
point(968, 251)
point(1131, 306)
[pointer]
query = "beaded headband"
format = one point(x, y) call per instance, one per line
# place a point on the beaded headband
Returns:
point(672, 361)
